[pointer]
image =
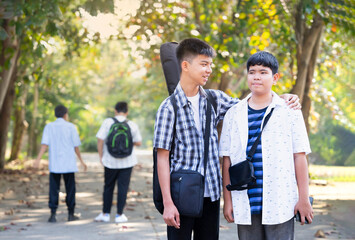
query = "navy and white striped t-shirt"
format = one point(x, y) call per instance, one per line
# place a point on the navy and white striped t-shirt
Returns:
point(255, 193)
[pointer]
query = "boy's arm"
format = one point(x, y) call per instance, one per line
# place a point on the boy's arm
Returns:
point(100, 147)
point(303, 205)
point(171, 214)
point(77, 151)
point(137, 138)
point(228, 206)
point(40, 154)
point(224, 103)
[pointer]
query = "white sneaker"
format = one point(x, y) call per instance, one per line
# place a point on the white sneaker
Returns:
point(120, 218)
point(103, 217)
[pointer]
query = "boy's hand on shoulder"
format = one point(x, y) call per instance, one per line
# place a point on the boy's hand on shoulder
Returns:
point(305, 209)
point(292, 100)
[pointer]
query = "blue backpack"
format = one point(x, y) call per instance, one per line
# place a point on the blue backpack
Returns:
point(119, 141)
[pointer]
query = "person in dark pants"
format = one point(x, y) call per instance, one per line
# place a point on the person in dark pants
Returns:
point(63, 141)
point(116, 169)
point(122, 176)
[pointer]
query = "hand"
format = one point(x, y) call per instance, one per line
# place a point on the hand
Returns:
point(85, 167)
point(305, 209)
point(171, 215)
point(228, 212)
point(36, 163)
point(292, 100)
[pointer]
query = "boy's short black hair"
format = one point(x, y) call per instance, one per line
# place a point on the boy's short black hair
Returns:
point(121, 107)
point(60, 111)
point(265, 59)
point(191, 47)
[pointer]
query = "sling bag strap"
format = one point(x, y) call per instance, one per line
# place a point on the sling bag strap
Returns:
point(207, 128)
point(255, 145)
point(173, 102)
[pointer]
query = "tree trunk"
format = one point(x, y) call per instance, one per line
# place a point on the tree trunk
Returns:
point(32, 146)
point(5, 115)
point(7, 73)
point(306, 103)
point(20, 124)
point(224, 82)
point(306, 43)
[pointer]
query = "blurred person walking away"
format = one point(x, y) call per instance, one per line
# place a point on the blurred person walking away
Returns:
point(63, 141)
point(115, 140)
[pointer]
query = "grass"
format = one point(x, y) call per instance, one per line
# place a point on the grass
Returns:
point(332, 173)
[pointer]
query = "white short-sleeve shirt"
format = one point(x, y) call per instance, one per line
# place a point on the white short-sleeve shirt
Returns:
point(118, 163)
point(284, 135)
point(61, 137)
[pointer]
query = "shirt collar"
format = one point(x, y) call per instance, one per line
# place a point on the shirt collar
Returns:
point(121, 118)
point(60, 119)
point(181, 97)
point(276, 100)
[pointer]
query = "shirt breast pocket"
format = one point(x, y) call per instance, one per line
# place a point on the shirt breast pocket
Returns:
point(185, 132)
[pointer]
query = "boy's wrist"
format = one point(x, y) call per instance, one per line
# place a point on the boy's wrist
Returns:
point(303, 198)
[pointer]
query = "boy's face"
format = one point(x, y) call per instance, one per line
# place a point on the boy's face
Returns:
point(198, 69)
point(261, 79)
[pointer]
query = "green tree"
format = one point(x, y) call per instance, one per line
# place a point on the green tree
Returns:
point(24, 27)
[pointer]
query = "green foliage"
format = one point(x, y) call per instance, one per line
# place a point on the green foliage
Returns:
point(89, 144)
point(124, 81)
point(74, 67)
point(351, 159)
point(106, 6)
point(333, 144)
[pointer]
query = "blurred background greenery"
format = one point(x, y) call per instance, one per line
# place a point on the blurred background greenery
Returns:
point(89, 54)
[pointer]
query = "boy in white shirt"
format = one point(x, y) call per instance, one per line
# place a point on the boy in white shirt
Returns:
point(116, 169)
point(266, 209)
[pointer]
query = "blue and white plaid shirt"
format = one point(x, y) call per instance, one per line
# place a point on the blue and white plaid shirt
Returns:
point(189, 143)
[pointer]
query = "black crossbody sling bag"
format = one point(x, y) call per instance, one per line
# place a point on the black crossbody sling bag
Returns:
point(242, 174)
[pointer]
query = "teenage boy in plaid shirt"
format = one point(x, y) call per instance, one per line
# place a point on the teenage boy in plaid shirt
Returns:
point(195, 59)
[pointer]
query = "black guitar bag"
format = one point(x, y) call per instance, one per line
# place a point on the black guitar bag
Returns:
point(170, 65)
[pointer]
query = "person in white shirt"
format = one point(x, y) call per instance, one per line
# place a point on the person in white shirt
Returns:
point(116, 169)
point(266, 210)
point(63, 141)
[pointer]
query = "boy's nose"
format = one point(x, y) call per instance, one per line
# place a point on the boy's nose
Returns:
point(257, 76)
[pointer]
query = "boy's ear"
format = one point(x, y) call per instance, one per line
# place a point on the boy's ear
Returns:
point(184, 65)
point(276, 78)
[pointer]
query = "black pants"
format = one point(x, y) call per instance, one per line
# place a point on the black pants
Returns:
point(123, 177)
point(204, 228)
point(54, 186)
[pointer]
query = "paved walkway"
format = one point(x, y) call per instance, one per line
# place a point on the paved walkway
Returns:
point(24, 212)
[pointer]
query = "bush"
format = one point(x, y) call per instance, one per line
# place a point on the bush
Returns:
point(89, 145)
point(351, 160)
